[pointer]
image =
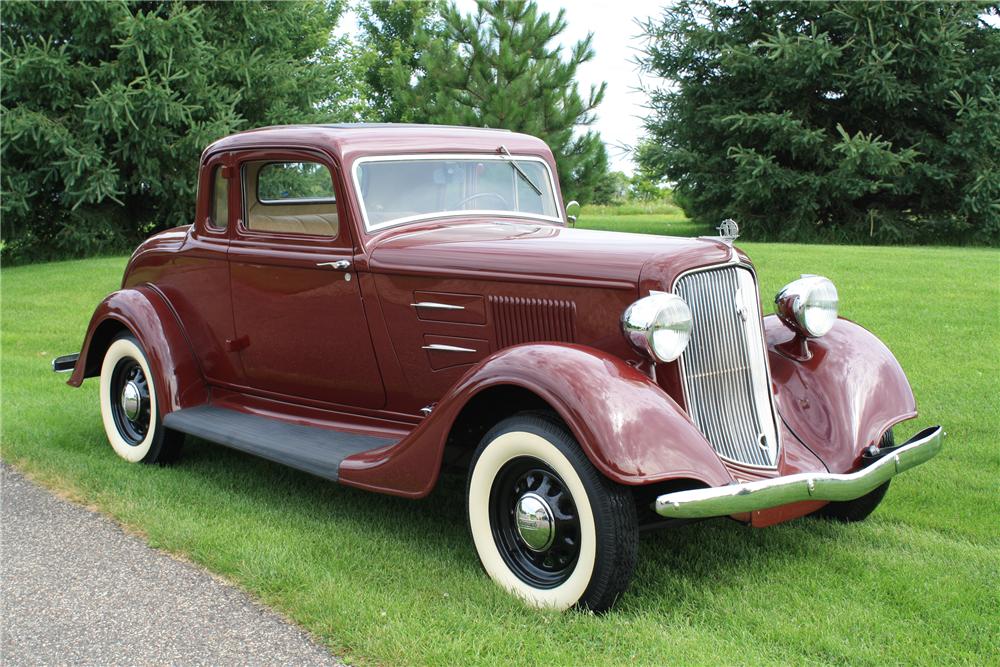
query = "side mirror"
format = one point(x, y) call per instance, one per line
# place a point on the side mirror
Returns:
point(571, 219)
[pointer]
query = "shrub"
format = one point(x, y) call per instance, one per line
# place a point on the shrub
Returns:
point(839, 121)
point(107, 106)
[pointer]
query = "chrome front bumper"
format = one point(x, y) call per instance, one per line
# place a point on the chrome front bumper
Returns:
point(767, 493)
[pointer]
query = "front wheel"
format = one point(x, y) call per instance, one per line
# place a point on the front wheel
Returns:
point(852, 511)
point(546, 525)
point(129, 406)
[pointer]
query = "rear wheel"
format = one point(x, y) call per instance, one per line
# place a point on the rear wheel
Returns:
point(851, 511)
point(129, 406)
point(546, 525)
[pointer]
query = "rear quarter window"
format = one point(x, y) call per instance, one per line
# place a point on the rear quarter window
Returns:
point(219, 215)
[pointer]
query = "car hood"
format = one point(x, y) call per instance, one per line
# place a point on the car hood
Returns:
point(540, 252)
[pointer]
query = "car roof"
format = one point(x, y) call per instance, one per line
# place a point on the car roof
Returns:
point(352, 140)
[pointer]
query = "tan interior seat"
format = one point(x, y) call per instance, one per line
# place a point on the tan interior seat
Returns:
point(315, 219)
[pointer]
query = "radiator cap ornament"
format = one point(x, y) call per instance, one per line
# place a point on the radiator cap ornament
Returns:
point(728, 231)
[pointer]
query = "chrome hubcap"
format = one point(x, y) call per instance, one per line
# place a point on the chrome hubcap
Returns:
point(535, 525)
point(131, 400)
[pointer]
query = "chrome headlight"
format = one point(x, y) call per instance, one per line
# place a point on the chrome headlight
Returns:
point(808, 305)
point(658, 325)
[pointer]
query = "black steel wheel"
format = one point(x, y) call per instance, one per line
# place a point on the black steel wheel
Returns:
point(534, 522)
point(131, 410)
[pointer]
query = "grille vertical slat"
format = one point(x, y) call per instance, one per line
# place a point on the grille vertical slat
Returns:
point(725, 377)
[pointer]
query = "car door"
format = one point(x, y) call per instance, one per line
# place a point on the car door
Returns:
point(299, 322)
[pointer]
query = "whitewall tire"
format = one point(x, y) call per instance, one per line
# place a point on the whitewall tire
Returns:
point(129, 407)
point(546, 525)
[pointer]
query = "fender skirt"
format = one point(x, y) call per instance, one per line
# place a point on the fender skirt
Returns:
point(630, 429)
point(142, 310)
point(841, 397)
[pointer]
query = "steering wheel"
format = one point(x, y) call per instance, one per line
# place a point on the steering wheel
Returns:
point(480, 195)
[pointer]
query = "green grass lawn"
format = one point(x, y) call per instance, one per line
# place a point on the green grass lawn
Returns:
point(385, 580)
point(657, 218)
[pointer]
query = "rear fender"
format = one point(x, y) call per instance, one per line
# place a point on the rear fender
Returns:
point(844, 396)
point(146, 314)
point(629, 428)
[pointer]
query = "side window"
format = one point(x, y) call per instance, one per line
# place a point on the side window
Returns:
point(290, 198)
point(219, 215)
point(290, 182)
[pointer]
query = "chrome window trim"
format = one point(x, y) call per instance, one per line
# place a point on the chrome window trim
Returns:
point(356, 182)
point(295, 202)
point(736, 262)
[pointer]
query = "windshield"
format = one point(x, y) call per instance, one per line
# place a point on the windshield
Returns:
point(399, 189)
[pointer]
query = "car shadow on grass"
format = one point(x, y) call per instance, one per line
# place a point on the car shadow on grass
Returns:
point(711, 555)
point(430, 523)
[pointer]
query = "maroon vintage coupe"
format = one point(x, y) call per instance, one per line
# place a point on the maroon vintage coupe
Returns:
point(372, 303)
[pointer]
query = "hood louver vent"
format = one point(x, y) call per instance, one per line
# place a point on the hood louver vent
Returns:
point(522, 320)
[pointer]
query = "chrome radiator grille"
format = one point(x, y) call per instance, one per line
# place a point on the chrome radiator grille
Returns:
point(726, 382)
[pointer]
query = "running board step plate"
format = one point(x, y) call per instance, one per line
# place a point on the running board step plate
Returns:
point(318, 451)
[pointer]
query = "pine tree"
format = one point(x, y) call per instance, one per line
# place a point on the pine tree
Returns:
point(859, 121)
point(391, 30)
point(107, 106)
point(499, 68)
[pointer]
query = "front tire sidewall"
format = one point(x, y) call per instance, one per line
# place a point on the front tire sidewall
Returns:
point(502, 449)
point(124, 348)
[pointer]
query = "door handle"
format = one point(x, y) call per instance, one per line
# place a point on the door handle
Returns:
point(340, 264)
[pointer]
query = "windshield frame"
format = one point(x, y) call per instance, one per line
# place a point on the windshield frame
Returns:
point(464, 213)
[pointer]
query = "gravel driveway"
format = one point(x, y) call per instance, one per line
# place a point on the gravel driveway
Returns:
point(77, 590)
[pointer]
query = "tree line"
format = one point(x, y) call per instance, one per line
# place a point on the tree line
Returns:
point(870, 122)
point(804, 120)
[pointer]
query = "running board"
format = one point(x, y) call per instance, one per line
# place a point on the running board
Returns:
point(318, 451)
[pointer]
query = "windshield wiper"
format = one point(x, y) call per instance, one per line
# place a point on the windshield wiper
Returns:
point(520, 172)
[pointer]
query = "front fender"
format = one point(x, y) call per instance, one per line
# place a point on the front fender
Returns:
point(629, 428)
point(145, 312)
point(842, 398)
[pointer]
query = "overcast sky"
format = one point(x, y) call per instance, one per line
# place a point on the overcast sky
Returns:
point(619, 117)
point(616, 40)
